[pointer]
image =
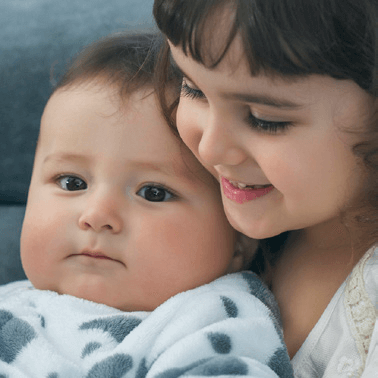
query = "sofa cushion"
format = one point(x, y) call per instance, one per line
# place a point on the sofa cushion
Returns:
point(10, 228)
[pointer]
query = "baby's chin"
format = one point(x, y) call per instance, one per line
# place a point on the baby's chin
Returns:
point(98, 293)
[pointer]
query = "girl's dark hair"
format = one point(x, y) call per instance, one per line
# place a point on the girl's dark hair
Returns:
point(288, 37)
point(291, 38)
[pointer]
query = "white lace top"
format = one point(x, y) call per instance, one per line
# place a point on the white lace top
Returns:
point(344, 342)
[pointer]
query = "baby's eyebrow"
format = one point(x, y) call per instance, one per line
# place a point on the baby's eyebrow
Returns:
point(66, 157)
point(174, 170)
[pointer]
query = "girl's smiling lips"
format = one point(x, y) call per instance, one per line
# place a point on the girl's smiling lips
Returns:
point(243, 193)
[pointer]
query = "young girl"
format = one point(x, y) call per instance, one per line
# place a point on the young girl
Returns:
point(126, 245)
point(278, 102)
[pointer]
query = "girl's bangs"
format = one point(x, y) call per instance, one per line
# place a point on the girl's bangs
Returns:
point(189, 24)
point(283, 38)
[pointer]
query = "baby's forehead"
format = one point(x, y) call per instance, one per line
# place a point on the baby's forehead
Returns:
point(140, 127)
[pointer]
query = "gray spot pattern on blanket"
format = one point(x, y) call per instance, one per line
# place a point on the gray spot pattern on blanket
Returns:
point(230, 307)
point(90, 348)
point(260, 291)
point(220, 342)
point(43, 321)
point(53, 375)
point(15, 334)
point(280, 363)
point(142, 369)
point(221, 366)
point(112, 367)
point(117, 326)
point(176, 372)
point(209, 367)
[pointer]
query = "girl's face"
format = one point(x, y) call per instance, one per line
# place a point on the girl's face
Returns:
point(283, 138)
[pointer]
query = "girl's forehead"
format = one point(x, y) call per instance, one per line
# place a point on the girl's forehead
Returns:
point(232, 60)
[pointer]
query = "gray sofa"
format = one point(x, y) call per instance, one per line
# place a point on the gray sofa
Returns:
point(37, 40)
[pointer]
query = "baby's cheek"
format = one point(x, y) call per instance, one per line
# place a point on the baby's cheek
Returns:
point(29, 243)
point(35, 242)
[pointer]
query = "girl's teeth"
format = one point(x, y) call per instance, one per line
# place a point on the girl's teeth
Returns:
point(259, 186)
point(238, 184)
point(243, 186)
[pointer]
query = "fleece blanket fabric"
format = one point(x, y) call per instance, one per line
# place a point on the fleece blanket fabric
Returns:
point(228, 327)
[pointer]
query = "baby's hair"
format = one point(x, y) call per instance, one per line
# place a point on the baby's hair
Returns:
point(291, 39)
point(123, 59)
point(127, 60)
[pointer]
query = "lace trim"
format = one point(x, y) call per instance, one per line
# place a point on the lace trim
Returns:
point(360, 310)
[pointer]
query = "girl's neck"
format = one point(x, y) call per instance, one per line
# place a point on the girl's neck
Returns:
point(312, 266)
point(330, 243)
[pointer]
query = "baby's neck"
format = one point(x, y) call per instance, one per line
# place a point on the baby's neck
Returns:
point(313, 265)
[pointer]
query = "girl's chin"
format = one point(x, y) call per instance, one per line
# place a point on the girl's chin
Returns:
point(255, 228)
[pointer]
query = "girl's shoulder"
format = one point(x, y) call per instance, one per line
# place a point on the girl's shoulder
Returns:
point(340, 342)
point(370, 274)
point(361, 300)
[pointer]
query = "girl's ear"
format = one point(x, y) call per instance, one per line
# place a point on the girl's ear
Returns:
point(245, 249)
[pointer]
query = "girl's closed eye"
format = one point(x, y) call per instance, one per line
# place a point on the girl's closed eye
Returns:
point(188, 91)
point(71, 183)
point(270, 127)
point(155, 193)
point(264, 126)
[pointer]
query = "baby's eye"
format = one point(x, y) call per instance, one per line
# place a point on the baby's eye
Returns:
point(71, 183)
point(153, 193)
point(192, 93)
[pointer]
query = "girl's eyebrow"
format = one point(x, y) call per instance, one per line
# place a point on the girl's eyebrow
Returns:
point(180, 70)
point(263, 100)
point(247, 97)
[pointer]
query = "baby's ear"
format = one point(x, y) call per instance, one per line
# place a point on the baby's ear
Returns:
point(245, 249)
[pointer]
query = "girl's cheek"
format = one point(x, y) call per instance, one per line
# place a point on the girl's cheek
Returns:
point(188, 126)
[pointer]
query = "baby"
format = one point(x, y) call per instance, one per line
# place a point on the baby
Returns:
point(121, 218)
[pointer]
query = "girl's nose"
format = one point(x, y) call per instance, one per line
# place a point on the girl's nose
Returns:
point(101, 213)
point(219, 143)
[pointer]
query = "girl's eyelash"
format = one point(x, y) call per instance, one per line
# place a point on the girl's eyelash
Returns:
point(187, 91)
point(269, 127)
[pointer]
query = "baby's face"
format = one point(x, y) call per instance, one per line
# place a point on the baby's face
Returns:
point(119, 211)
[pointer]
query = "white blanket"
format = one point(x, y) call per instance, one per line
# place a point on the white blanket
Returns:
point(218, 329)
